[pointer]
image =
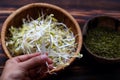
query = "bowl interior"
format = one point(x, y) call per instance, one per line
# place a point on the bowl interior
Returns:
point(34, 10)
point(101, 21)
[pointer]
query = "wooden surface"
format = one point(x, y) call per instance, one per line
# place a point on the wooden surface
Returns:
point(82, 10)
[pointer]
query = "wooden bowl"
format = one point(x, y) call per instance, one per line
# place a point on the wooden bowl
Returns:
point(33, 10)
point(98, 21)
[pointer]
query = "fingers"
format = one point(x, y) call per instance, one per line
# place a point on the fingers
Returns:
point(35, 61)
point(25, 57)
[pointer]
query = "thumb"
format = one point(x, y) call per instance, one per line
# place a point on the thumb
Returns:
point(35, 61)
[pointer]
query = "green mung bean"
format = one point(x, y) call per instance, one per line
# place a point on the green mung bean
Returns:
point(103, 42)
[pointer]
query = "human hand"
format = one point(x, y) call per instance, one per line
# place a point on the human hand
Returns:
point(26, 67)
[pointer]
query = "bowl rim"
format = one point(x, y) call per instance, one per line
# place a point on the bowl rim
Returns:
point(25, 7)
point(84, 34)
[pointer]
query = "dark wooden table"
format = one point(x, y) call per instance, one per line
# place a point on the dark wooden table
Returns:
point(82, 10)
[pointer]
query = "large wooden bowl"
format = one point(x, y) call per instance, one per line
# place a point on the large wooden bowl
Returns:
point(33, 10)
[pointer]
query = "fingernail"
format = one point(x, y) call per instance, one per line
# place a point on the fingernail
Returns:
point(44, 57)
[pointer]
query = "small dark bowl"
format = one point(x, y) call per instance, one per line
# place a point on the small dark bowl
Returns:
point(105, 21)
